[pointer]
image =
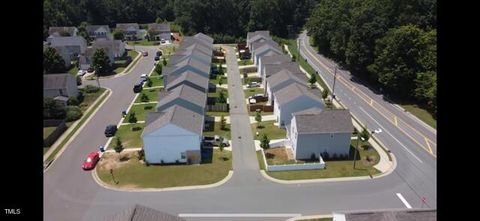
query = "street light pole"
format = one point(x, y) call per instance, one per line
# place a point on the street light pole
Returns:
point(334, 79)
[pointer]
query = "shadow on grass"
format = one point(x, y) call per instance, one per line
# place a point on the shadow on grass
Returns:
point(148, 107)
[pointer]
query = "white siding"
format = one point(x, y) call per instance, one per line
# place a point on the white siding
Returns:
point(168, 143)
point(298, 104)
point(306, 144)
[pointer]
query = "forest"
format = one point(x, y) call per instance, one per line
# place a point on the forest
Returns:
point(389, 43)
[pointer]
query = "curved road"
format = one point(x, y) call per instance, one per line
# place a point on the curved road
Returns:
point(72, 194)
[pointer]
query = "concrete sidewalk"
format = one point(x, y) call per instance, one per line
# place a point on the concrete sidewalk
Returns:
point(269, 117)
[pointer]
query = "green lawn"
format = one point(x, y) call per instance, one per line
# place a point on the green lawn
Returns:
point(251, 91)
point(217, 131)
point(422, 114)
point(245, 62)
point(217, 92)
point(215, 113)
point(157, 80)
point(254, 113)
point(167, 50)
point(73, 70)
point(132, 54)
point(215, 81)
point(337, 168)
point(292, 47)
point(134, 174)
point(89, 98)
point(47, 131)
point(152, 94)
point(144, 42)
point(141, 111)
point(82, 120)
point(260, 160)
point(129, 138)
point(272, 131)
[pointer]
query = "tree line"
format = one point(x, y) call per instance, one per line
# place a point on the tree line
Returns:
point(225, 20)
point(391, 43)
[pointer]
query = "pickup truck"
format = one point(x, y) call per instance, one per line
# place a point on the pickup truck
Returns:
point(215, 141)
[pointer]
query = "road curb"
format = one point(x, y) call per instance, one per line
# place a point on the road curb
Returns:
point(219, 183)
point(310, 217)
point(80, 128)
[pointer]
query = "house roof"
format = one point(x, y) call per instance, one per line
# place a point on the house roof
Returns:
point(276, 59)
point(185, 54)
point(203, 37)
point(188, 76)
point(252, 36)
point(186, 93)
point(392, 215)
point(286, 75)
point(194, 46)
point(57, 30)
point(127, 26)
point(93, 28)
point(160, 27)
point(106, 43)
point(315, 121)
point(56, 81)
point(189, 40)
point(66, 41)
point(257, 47)
point(188, 62)
point(294, 91)
point(141, 213)
point(271, 69)
point(177, 115)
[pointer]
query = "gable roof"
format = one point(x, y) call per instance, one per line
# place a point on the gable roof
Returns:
point(160, 27)
point(114, 45)
point(286, 75)
point(186, 93)
point(177, 115)
point(188, 62)
point(188, 76)
point(189, 40)
point(261, 44)
point(313, 110)
point(56, 81)
point(326, 121)
point(93, 28)
point(253, 36)
point(126, 26)
point(56, 30)
point(203, 37)
point(67, 41)
point(294, 91)
point(276, 59)
point(271, 69)
point(141, 213)
point(185, 54)
point(194, 46)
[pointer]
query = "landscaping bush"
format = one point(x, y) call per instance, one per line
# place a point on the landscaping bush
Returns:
point(144, 98)
point(132, 118)
point(149, 82)
point(73, 113)
point(72, 101)
point(91, 89)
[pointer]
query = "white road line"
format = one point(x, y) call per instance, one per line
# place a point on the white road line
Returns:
point(401, 144)
point(211, 215)
point(404, 201)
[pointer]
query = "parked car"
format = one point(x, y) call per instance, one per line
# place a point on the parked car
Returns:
point(91, 161)
point(110, 130)
point(81, 72)
point(138, 87)
point(252, 101)
point(159, 53)
point(157, 58)
point(163, 41)
point(143, 77)
point(215, 141)
point(79, 80)
point(256, 96)
point(145, 53)
point(90, 70)
point(253, 84)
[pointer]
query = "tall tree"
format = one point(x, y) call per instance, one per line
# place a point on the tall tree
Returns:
point(101, 62)
point(52, 61)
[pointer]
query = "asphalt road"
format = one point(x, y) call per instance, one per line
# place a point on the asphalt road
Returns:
point(71, 194)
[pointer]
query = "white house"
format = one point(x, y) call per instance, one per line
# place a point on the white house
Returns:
point(130, 30)
point(174, 135)
point(113, 49)
point(161, 31)
point(257, 36)
point(293, 98)
point(264, 49)
point(99, 31)
point(313, 131)
point(282, 79)
point(70, 48)
point(272, 69)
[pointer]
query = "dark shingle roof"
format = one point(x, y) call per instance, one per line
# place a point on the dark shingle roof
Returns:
point(55, 81)
point(67, 41)
point(177, 115)
point(188, 76)
point(93, 28)
point(293, 91)
point(192, 63)
point(393, 215)
point(53, 30)
point(126, 26)
point(162, 27)
point(142, 213)
point(271, 69)
point(203, 37)
point(252, 36)
point(286, 75)
point(184, 92)
point(258, 47)
point(276, 59)
point(313, 121)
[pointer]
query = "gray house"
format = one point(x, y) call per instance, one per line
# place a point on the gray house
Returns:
point(113, 49)
point(282, 79)
point(185, 96)
point(197, 46)
point(130, 30)
point(193, 53)
point(272, 69)
point(313, 131)
point(188, 64)
point(63, 85)
point(257, 36)
point(56, 31)
point(162, 31)
point(173, 135)
point(99, 31)
point(272, 59)
point(293, 98)
point(264, 49)
point(191, 79)
point(204, 38)
point(70, 48)
point(188, 41)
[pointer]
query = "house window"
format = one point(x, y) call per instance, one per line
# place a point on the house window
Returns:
point(182, 155)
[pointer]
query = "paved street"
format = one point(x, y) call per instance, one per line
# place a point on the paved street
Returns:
point(71, 194)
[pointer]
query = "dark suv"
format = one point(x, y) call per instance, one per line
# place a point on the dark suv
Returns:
point(138, 87)
point(110, 130)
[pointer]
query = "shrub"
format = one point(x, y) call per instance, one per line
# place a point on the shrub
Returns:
point(73, 113)
point(312, 157)
point(72, 101)
point(132, 118)
point(149, 82)
point(91, 89)
point(144, 97)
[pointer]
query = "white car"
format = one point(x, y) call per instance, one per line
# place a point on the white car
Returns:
point(144, 77)
point(81, 72)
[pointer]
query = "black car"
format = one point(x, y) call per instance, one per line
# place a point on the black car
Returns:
point(157, 58)
point(110, 130)
point(159, 53)
point(138, 87)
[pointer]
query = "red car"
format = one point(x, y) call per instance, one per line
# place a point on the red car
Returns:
point(91, 161)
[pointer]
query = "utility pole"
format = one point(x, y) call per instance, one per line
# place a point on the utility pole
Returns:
point(355, 152)
point(334, 79)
